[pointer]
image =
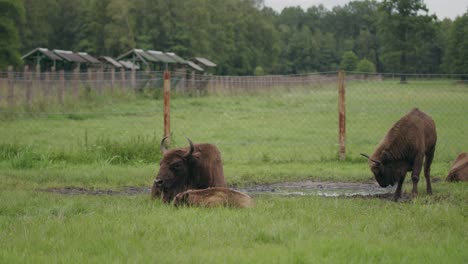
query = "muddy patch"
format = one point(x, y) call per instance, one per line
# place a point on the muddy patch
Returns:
point(325, 189)
point(83, 191)
point(303, 188)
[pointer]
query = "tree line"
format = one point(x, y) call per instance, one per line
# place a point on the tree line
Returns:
point(244, 37)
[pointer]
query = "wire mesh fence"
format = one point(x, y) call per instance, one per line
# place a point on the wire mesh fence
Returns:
point(272, 119)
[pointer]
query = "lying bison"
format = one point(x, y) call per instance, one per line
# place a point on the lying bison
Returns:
point(403, 149)
point(197, 167)
point(213, 197)
point(459, 170)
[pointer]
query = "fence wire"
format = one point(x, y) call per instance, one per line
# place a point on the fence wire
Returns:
point(276, 119)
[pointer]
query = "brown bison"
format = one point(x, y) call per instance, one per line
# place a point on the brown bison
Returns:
point(403, 149)
point(197, 167)
point(459, 170)
point(213, 197)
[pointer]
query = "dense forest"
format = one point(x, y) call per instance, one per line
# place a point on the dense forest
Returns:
point(244, 37)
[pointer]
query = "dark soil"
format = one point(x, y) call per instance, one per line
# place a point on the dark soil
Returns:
point(302, 188)
point(83, 191)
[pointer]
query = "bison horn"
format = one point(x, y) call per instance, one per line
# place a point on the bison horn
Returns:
point(163, 146)
point(192, 148)
point(376, 161)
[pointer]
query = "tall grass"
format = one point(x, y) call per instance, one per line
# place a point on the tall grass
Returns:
point(135, 150)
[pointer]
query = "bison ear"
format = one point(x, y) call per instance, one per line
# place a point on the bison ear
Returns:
point(197, 155)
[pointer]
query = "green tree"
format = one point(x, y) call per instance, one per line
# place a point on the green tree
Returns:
point(405, 26)
point(349, 61)
point(456, 58)
point(11, 15)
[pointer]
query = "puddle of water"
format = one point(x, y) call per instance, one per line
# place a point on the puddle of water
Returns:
point(325, 189)
point(303, 188)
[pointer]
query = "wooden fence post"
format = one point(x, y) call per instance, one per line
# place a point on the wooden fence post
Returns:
point(167, 105)
point(11, 87)
point(133, 78)
point(76, 82)
point(342, 114)
point(28, 84)
point(100, 80)
point(122, 79)
point(112, 79)
point(61, 87)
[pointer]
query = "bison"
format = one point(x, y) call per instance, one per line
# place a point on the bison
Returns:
point(403, 149)
point(197, 167)
point(459, 170)
point(213, 197)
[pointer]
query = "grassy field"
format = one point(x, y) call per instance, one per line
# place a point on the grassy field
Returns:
point(113, 142)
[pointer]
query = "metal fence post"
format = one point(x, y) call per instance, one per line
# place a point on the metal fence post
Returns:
point(167, 104)
point(342, 115)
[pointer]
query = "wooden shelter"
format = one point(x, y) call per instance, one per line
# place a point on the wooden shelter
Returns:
point(70, 61)
point(41, 58)
point(204, 63)
point(109, 63)
point(92, 62)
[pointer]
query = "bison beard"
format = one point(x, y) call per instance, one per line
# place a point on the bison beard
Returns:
point(197, 167)
point(403, 149)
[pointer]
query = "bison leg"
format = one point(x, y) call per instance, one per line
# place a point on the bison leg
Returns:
point(417, 166)
point(427, 169)
point(397, 194)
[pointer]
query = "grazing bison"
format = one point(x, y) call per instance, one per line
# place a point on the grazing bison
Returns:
point(403, 149)
point(197, 167)
point(213, 197)
point(459, 170)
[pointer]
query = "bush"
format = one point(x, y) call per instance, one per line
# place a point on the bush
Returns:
point(365, 65)
point(349, 61)
point(259, 71)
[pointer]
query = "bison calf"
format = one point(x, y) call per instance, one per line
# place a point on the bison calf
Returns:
point(213, 197)
point(459, 170)
point(403, 149)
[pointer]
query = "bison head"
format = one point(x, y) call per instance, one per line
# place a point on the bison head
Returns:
point(174, 171)
point(385, 172)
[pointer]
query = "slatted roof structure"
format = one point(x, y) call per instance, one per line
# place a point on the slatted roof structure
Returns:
point(129, 65)
point(204, 62)
point(88, 58)
point(110, 61)
point(152, 58)
point(160, 56)
point(195, 66)
point(137, 56)
point(40, 54)
point(176, 58)
point(69, 56)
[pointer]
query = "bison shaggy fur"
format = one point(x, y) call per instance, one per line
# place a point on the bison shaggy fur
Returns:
point(198, 166)
point(411, 140)
point(213, 197)
point(459, 169)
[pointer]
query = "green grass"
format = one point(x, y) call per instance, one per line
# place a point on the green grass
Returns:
point(41, 227)
point(113, 142)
